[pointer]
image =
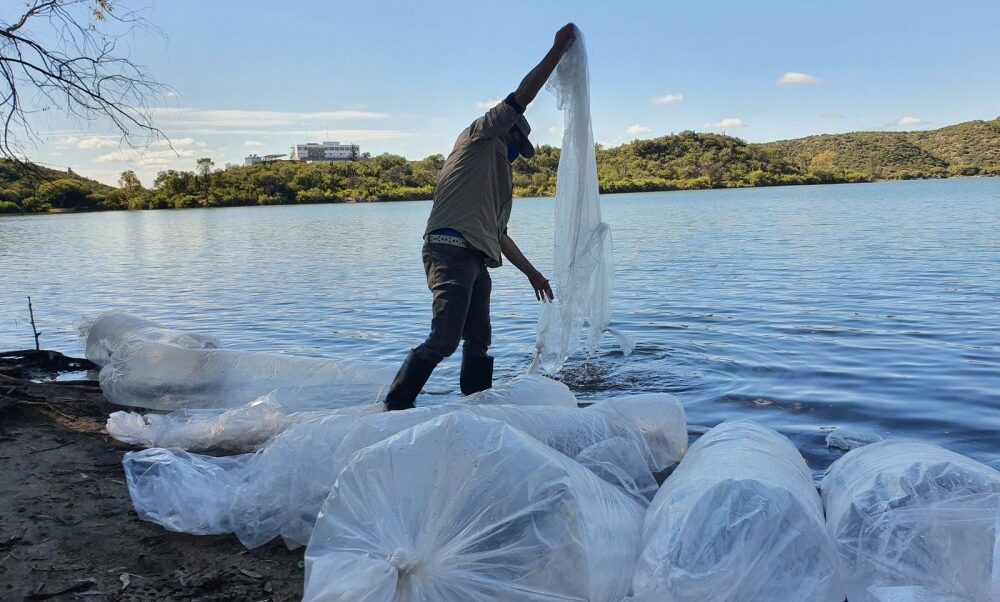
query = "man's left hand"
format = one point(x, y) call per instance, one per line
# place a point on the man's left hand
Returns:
point(543, 292)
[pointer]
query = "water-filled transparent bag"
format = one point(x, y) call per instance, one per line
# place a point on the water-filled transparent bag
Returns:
point(102, 335)
point(526, 389)
point(738, 520)
point(913, 521)
point(583, 266)
point(658, 417)
point(247, 427)
point(167, 377)
point(241, 429)
point(462, 508)
point(280, 488)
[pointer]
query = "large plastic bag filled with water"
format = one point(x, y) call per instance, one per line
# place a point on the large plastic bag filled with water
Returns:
point(241, 429)
point(913, 521)
point(166, 377)
point(462, 508)
point(110, 329)
point(739, 520)
point(658, 417)
point(166, 484)
point(283, 485)
point(525, 390)
point(246, 428)
point(623, 462)
point(583, 266)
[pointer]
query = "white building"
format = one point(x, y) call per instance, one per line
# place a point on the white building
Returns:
point(327, 151)
point(255, 160)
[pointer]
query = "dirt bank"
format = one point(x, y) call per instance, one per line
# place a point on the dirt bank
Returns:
point(67, 528)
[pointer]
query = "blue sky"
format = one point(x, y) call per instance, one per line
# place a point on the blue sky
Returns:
point(405, 77)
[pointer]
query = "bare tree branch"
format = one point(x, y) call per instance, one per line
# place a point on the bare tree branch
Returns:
point(34, 10)
point(67, 53)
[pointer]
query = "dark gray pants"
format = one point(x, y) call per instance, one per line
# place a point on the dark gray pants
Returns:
point(461, 286)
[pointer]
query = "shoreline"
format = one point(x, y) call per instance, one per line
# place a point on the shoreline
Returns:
point(67, 525)
point(63, 211)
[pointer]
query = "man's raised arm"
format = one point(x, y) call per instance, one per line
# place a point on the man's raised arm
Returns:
point(537, 77)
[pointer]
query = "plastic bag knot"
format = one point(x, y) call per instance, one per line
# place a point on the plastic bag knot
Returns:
point(401, 560)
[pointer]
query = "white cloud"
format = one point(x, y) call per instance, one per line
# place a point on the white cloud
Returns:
point(88, 143)
point(145, 158)
point(488, 103)
point(253, 143)
point(255, 119)
point(180, 143)
point(728, 123)
point(667, 99)
point(794, 77)
point(910, 122)
point(637, 130)
point(344, 135)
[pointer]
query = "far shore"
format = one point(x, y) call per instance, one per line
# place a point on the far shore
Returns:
point(610, 193)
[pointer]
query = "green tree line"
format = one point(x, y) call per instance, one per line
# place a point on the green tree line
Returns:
point(684, 161)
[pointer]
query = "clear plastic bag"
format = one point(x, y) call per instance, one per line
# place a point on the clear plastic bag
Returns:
point(102, 335)
point(241, 429)
point(283, 485)
point(246, 428)
point(583, 265)
point(462, 508)
point(167, 377)
point(658, 417)
point(525, 390)
point(913, 521)
point(167, 484)
point(738, 520)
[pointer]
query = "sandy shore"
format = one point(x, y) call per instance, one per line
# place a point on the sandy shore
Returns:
point(67, 528)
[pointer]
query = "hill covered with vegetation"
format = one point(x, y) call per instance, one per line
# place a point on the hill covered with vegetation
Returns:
point(683, 161)
point(33, 188)
point(970, 148)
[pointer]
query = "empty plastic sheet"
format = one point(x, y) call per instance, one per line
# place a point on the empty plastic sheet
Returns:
point(583, 265)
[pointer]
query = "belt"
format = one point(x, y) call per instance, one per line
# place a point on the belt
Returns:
point(444, 239)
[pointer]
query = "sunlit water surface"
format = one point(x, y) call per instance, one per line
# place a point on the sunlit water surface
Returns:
point(870, 307)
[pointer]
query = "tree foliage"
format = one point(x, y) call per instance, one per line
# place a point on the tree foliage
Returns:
point(684, 161)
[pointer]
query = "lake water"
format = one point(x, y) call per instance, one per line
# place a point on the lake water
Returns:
point(868, 307)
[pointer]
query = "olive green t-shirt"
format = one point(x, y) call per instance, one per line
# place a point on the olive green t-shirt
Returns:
point(473, 194)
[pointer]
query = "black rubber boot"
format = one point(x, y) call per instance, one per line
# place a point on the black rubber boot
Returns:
point(412, 376)
point(477, 373)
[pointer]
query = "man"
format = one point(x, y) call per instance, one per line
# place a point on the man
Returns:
point(467, 233)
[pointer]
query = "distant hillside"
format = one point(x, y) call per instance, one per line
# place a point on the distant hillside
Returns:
point(691, 160)
point(969, 148)
point(683, 161)
point(33, 188)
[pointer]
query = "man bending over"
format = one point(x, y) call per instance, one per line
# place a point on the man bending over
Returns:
point(467, 233)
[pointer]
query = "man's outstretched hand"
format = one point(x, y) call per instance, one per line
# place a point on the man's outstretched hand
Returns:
point(543, 292)
point(537, 77)
point(565, 37)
